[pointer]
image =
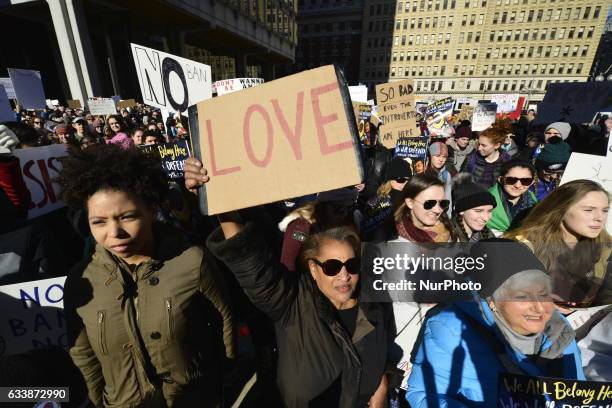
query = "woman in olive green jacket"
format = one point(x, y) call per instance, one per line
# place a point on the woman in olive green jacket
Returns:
point(148, 320)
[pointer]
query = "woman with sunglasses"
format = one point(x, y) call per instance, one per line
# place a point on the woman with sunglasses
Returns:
point(437, 166)
point(512, 195)
point(472, 209)
point(378, 211)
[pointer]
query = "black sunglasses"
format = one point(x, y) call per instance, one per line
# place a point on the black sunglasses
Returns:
point(525, 181)
point(332, 267)
point(401, 179)
point(429, 204)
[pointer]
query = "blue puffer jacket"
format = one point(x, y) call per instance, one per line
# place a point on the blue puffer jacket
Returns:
point(454, 365)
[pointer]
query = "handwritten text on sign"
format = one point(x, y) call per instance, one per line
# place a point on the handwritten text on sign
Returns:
point(397, 111)
point(40, 165)
point(32, 315)
point(280, 140)
point(173, 157)
point(170, 82)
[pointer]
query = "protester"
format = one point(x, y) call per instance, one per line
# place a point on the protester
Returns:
point(65, 134)
point(512, 195)
point(512, 328)
point(80, 128)
point(550, 165)
point(437, 166)
point(331, 209)
point(472, 209)
point(462, 145)
point(116, 125)
point(151, 137)
point(148, 319)
point(98, 131)
point(14, 195)
point(485, 162)
point(567, 232)
point(554, 133)
point(138, 135)
point(509, 146)
point(376, 157)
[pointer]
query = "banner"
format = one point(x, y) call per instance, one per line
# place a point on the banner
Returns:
point(516, 114)
point(283, 139)
point(359, 93)
point(173, 157)
point(363, 115)
point(8, 87)
point(101, 106)
point(6, 111)
point(32, 316)
point(170, 82)
point(437, 116)
point(538, 392)
point(590, 167)
point(414, 151)
point(574, 102)
point(396, 109)
point(74, 104)
point(28, 88)
point(484, 116)
point(237, 84)
point(506, 103)
point(40, 165)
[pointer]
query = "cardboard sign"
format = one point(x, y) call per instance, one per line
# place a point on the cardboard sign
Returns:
point(8, 87)
point(40, 165)
point(6, 112)
point(128, 103)
point(484, 116)
point(590, 167)
point(573, 102)
point(74, 104)
point(101, 106)
point(170, 82)
point(32, 316)
point(28, 88)
point(414, 151)
point(466, 113)
point(437, 116)
point(519, 108)
point(531, 392)
point(287, 138)
point(237, 84)
point(359, 93)
point(173, 157)
point(396, 109)
point(363, 114)
point(506, 103)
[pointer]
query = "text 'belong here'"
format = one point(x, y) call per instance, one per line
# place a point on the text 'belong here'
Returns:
point(279, 140)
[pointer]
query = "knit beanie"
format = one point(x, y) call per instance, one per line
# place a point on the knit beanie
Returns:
point(122, 140)
point(502, 259)
point(397, 168)
point(562, 127)
point(467, 194)
point(438, 149)
point(463, 131)
point(554, 156)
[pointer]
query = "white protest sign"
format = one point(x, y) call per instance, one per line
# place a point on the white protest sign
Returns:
point(484, 116)
point(170, 82)
point(6, 112)
point(40, 165)
point(8, 87)
point(28, 88)
point(505, 102)
point(590, 167)
point(102, 106)
point(359, 93)
point(32, 316)
point(226, 86)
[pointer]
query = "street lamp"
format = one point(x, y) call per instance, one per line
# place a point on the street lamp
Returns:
point(601, 77)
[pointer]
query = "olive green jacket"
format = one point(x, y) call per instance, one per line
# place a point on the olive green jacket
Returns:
point(154, 337)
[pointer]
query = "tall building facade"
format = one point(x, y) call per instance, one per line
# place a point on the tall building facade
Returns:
point(82, 47)
point(329, 32)
point(602, 65)
point(476, 48)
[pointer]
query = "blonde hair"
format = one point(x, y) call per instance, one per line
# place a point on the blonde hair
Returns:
point(542, 227)
point(306, 212)
point(384, 189)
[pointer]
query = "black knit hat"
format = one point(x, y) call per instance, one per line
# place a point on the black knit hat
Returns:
point(503, 258)
point(554, 156)
point(397, 168)
point(467, 194)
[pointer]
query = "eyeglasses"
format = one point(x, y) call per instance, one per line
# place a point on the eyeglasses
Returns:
point(401, 179)
point(429, 204)
point(510, 181)
point(332, 267)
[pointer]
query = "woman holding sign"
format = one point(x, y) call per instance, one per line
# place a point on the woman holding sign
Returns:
point(511, 328)
point(148, 319)
point(333, 349)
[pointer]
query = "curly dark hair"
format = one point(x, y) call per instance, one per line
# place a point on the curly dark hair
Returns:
point(109, 167)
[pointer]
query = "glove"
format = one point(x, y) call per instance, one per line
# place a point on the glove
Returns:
point(8, 140)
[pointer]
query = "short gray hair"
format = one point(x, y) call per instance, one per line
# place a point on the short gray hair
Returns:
point(524, 279)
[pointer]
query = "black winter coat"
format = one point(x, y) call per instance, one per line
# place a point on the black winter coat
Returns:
point(314, 349)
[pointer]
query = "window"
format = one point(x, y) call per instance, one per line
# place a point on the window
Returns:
point(495, 17)
point(396, 42)
point(577, 12)
point(448, 38)
point(548, 51)
point(408, 55)
point(543, 34)
point(551, 68)
point(540, 14)
point(530, 16)
point(442, 21)
point(461, 37)
point(521, 52)
point(458, 54)
point(393, 71)
point(587, 11)
point(579, 68)
point(420, 23)
point(398, 24)
point(410, 39)
point(504, 53)
point(474, 53)
point(556, 51)
point(570, 68)
point(566, 51)
point(477, 37)
point(548, 15)
point(403, 40)
point(418, 40)
point(517, 35)
point(450, 21)
point(495, 53)
point(570, 33)
point(492, 36)
point(481, 19)
point(557, 14)
point(504, 16)
point(399, 7)
point(580, 32)
point(444, 57)
point(590, 32)
point(427, 20)
point(561, 34)
point(596, 12)
point(437, 55)
point(508, 35)
point(534, 34)
point(521, 17)
point(463, 20)
point(575, 51)
point(401, 56)
point(472, 19)
point(429, 55)
point(469, 37)
point(525, 35)
point(405, 27)
point(513, 52)
point(435, 22)
point(567, 13)
point(440, 38)
point(585, 50)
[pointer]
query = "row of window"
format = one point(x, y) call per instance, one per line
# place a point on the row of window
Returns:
point(432, 39)
point(330, 27)
point(490, 85)
point(547, 15)
point(541, 34)
point(431, 5)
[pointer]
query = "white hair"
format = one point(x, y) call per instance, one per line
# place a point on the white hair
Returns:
point(522, 280)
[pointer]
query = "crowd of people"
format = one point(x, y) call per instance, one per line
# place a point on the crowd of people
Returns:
point(154, 290)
